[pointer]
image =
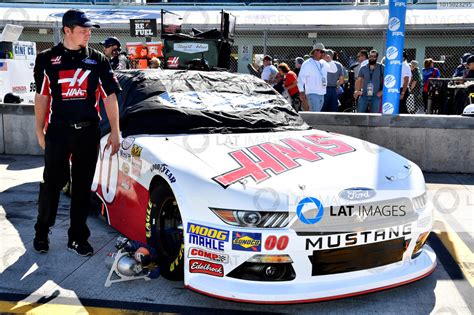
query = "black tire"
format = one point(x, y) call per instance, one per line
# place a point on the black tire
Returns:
point(165, 232)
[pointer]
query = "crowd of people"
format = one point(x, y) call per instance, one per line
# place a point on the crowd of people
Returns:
point(320, 83)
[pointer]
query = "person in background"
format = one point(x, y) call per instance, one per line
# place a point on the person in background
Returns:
point(416, 84)
point(335, 80)
point(470, 68)
point(429, 71)
point(298, 63)
point(362, 60)
point(112, 50)
point(369, 85)
point(306, 57)
point(269, 71)
point(291, 84)
point(312, 80)
point(462, 68)
point(155, 63)
point(404, 85)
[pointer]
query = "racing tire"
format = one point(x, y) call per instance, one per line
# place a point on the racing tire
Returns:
point(164, 232)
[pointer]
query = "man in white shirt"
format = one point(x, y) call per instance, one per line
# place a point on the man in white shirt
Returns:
point(312, 80)
point(405, 79)
point(269, 71)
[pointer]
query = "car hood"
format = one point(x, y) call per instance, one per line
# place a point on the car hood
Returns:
point(298, 163)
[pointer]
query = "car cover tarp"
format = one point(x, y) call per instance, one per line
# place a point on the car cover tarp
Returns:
point(151, 102)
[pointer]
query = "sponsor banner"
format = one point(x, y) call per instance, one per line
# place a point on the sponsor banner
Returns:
point(191, 48)
point(394, 56)
point(24, 50)
point(143, 28)
point(208, 255)
point(155, 49)
point(208, 237)
point(209, 268)
point(250, 242)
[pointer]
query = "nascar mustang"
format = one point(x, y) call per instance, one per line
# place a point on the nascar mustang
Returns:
point(244, 201)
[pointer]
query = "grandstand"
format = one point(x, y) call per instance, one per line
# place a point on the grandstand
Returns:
point(269, 27)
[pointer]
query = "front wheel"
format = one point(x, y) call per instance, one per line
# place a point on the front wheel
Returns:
point(164, 231)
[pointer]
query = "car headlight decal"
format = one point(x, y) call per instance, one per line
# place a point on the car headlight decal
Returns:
point(246, 218)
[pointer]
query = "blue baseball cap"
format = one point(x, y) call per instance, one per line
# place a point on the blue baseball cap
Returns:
point(75, 17)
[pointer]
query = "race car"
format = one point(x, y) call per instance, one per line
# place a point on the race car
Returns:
point(245, 201)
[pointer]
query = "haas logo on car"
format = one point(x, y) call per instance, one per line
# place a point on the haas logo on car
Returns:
point(74, 83)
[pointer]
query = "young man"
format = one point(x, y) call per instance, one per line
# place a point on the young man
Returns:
point(369, 85)
point(112, 50)
point(335, 80)
point(269, 71)
point(312, 80)
point(70, 77)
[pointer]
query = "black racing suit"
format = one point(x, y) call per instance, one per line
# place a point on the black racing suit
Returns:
point(74, 81)
point(120, 62)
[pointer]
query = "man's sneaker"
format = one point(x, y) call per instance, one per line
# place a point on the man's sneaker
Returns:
point(81, 248)
point(41, 245)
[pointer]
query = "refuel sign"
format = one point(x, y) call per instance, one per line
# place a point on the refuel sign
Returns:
point(143, 28)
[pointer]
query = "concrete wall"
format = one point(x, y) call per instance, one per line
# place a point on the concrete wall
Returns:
point(436, 143)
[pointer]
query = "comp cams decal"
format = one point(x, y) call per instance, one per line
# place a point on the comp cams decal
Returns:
point(250, 242)
point(261, 162)
point(208, 237)
point(204, 254)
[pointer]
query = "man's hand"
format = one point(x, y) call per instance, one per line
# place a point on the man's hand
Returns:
point(304, 101)
point(114, 142)
point(357, 94)
point(402, 95)
point(40, 136)
point(379, 93)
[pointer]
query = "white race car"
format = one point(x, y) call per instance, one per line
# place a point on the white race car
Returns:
point(246, 202)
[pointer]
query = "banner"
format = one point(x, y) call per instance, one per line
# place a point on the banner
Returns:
point(394, 56)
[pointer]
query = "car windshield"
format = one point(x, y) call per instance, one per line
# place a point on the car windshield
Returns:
point(177, 102)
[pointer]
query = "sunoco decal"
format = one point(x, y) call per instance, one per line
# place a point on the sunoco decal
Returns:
point(201, 266)
point(208, 255)
point(208, 237)
point(261, 162)
point(251, 242)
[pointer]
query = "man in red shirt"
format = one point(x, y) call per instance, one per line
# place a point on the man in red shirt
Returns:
point(70, 77)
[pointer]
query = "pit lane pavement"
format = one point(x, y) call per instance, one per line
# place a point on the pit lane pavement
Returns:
point(62, 282)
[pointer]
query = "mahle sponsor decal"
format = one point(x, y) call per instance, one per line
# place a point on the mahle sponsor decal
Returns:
point(244, 241)
point(208, 237)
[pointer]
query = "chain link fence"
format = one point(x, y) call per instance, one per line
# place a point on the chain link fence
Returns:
point(444, 46)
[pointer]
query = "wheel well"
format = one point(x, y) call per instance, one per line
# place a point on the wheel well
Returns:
point(158, 181)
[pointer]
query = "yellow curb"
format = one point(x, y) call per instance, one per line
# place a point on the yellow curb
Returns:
point(60, 309)
point(460, 252)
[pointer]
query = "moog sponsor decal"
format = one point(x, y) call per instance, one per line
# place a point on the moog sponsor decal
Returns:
point(208, 237)
point(260, 162)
